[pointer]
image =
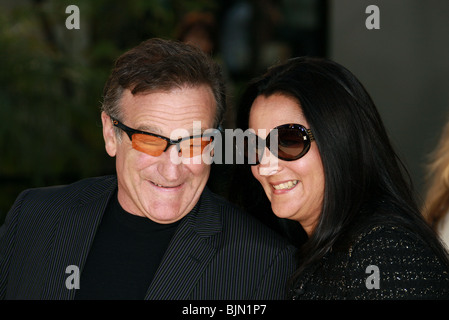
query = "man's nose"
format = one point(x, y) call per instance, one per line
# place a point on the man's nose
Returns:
point(170, 164)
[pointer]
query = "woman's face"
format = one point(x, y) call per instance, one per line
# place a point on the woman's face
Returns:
point(294, 188)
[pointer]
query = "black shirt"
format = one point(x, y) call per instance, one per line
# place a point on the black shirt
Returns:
point(124, 256)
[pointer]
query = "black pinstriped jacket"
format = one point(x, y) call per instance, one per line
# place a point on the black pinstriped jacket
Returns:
point(217, 252)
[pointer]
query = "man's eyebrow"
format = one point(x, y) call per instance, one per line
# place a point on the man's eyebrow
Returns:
point(149, 128)
point(156, 130)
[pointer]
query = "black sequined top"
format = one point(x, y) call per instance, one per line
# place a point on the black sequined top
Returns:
point(384, 262)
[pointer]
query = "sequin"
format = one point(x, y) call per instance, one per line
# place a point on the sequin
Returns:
point(408, 269)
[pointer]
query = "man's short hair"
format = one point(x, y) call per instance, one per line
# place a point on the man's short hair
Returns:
point(158, 64)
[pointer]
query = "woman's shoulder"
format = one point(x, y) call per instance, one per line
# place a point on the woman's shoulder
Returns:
point(389, 235)
point(385, 236)
point(382, 260)
point(394, 246)
point(396, 262)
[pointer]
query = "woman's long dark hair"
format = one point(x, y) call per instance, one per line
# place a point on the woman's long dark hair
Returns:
point(363, 174)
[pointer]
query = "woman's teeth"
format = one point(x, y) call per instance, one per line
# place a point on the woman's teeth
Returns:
point(286, 185)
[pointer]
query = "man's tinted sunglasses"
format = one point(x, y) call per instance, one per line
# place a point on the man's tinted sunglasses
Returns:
point(155, 144)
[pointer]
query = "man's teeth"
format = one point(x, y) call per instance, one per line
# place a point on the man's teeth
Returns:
point(286, 185)
point(160, 185)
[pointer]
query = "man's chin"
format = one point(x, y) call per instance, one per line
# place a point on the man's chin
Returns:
point(169, 216)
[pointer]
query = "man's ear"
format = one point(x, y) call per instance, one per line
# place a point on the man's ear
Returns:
point(110, 139)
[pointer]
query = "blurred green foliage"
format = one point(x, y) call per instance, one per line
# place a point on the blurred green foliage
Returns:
point(51, 82)
point(52, 78)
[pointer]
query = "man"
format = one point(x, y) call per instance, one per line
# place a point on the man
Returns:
point(153, 231)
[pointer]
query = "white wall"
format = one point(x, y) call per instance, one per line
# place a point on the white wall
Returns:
point(404, 65)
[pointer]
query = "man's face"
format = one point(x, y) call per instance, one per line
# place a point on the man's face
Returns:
point(157, 187)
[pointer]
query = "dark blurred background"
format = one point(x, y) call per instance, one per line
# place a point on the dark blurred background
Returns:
point(51, 78)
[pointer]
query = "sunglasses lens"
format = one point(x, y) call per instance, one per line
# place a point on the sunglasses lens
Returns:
point(291, 143)
point(150, 145)
point(194, 147)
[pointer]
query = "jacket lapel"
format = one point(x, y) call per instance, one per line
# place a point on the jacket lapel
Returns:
point(194, 244)
point(75, 232)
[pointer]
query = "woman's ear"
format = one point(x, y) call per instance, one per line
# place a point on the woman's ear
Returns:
point(110, 138)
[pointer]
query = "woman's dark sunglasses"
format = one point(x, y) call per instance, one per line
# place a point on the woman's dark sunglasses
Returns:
point(154, 144)
point(293, 142)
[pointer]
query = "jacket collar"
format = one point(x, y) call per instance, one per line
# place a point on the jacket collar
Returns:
point(74, 235)
point(190, 251)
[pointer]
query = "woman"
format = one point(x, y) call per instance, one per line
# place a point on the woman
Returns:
point(436, 208)
point(329, 165)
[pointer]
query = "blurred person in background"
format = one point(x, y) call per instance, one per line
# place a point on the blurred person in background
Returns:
point(436, 206)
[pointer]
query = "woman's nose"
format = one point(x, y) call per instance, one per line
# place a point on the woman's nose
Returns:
point(269, 164)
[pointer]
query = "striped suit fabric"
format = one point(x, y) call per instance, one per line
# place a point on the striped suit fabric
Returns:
point(218, 252)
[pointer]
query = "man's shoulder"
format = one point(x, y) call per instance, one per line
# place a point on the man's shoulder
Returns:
point(229, 211)
point(239, 224)
point(37, 210)
point(81, 190)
